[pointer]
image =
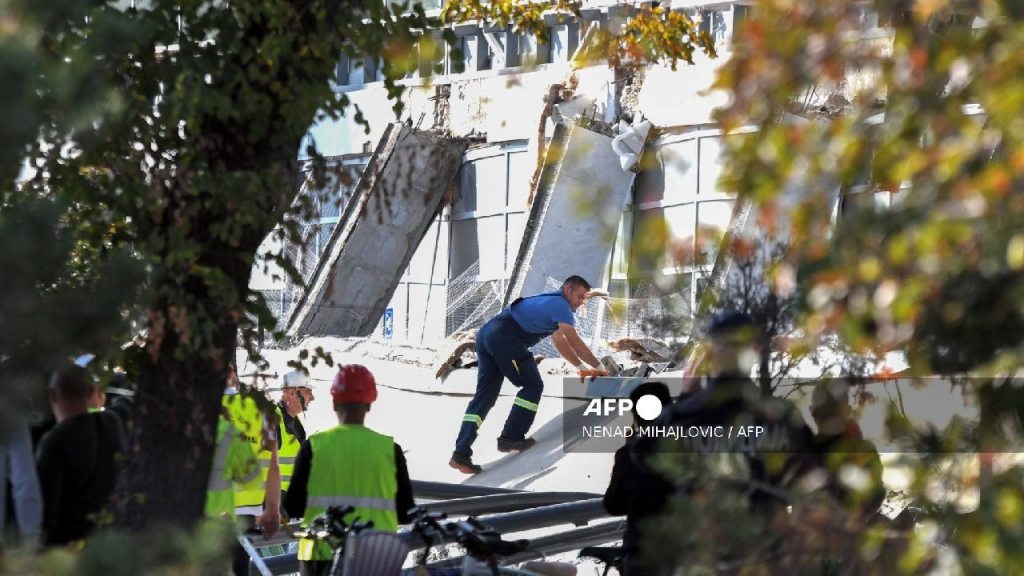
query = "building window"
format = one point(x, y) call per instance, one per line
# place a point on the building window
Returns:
point(676, 200)
point(558, 44)
point(488, 218)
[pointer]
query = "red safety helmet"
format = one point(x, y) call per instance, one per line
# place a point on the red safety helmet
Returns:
point(354, 384)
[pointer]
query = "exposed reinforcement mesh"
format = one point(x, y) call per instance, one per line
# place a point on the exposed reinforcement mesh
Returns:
point(315, 212)
point(472, 302)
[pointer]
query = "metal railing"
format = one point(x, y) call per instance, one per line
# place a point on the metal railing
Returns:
point(529, 511)
point(445, 491)
point(495, 503)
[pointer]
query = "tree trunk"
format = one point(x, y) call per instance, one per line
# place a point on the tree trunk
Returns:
point(178, 399)
point(171, 443)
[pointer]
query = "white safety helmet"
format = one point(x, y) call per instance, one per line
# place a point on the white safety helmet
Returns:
point(295, 379)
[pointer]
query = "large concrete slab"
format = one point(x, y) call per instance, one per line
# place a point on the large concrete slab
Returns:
point(401, 190)
point(575, 213)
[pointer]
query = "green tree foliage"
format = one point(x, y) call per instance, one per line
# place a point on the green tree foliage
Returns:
point(917, 125)
point(163, 551)
point(652, 34)
point(171, 130)
point(166, 133)
point(57, 296)
point(909, 125)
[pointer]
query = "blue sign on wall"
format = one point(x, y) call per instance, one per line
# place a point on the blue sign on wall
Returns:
point(389, 323)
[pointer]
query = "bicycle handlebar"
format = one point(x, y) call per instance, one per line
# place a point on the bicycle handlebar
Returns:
point(480, 540)
point(331, 523)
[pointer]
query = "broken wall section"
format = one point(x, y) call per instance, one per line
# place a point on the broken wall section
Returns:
point(579, 203)
point(402, 189)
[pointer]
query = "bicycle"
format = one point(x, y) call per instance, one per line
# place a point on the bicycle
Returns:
point(330, 527)
point(484, 546)
point(610, 556)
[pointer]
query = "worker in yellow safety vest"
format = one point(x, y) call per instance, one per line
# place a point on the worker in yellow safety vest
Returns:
point(285, 426)
point(348, 465)
point(247, 420)
point(235, 463)
point(296, 396)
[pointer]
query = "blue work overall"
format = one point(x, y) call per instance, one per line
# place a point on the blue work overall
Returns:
point(503, 351)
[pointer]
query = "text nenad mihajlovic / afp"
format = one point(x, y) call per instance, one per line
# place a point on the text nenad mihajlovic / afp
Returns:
point(703, 438)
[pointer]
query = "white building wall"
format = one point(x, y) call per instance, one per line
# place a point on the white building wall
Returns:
point(672, 201)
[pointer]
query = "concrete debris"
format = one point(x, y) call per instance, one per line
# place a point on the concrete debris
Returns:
point(648, 350)
point(629, 144)
point(568, 111)
point(459, 351)
point(452, 352)
point(611, 366)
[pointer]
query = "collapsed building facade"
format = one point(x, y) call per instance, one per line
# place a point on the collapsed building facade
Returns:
point(504, 178)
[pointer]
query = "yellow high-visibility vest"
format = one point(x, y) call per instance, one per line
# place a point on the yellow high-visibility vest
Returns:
point(248, 420)
point(352, 466)
point(233, 461)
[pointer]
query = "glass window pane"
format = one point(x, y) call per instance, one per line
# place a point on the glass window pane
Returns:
point(679, 161)
point(681, 221)
point(559, 48)
point(478, 239)
point(465, 197)
point(713, 220)
point(647, 245)
point(710, 164)
point(465, 248)
point(516, 226)
point(491, 236)
point(355, 71)
point(490, 183)
point(470, 49)
point(650, 183)
point(527, 49)
point(519, 173)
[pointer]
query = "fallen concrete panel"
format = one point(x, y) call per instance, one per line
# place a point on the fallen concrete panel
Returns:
point(575, 214)
point(398, 196)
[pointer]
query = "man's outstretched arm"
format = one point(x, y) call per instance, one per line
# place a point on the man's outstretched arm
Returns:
point(572, 348)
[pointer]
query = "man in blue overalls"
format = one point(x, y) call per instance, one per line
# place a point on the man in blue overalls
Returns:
point(503, 351)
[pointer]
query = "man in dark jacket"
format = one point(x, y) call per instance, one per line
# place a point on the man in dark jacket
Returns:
point(77, 460)
point(623, 497)
point(349, 465)
point(730, 401)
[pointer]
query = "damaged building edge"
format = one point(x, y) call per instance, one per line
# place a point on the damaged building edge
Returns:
point(353, 208)
point(579, 207)
point(400, 193)
point(552, 161)
point(487, 248)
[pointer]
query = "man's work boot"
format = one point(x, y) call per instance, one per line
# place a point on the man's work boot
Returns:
point(509, 445)
point(464, 464)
